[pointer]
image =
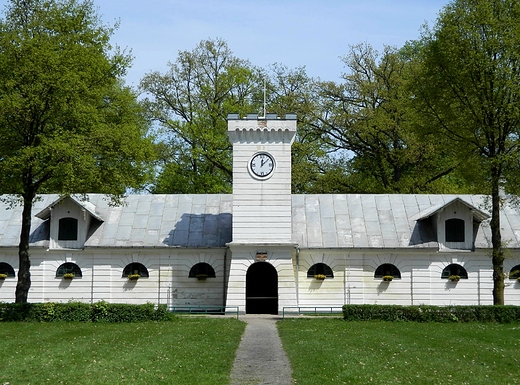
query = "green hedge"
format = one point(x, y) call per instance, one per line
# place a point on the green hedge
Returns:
point(500, 314)
point(77, 311)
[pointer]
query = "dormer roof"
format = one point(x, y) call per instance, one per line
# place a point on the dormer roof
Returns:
point(84, 204)
point(478, 214)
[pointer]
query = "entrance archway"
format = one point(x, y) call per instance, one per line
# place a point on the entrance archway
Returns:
point(261, 289)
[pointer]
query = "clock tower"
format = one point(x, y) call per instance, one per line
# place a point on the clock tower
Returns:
point(262, 213)
point(262, 177)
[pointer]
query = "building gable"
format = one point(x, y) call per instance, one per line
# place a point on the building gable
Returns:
point(70, 222)
point(455, 223)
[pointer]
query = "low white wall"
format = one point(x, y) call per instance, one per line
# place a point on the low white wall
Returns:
point(102, 270)
point(420, 282)
point(353, 281)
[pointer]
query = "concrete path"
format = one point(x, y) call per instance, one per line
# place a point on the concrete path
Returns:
point(260, 358)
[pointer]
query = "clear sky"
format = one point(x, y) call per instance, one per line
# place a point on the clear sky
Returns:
point(310, 33)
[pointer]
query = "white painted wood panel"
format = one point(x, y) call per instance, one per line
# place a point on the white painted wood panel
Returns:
point(353, 280)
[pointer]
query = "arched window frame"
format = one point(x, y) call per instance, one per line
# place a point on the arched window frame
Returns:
point(387, 269)
point(68, 268)
point(68, 229)
point(7, 269)
point(200, 269)
point(514, 273)
point(454, 269)
point(320, 269)
point(135, 268)
point(454, 230)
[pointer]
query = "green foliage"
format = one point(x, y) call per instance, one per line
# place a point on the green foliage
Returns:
point(423, 313)
point(74, 312)
point(370, 124)
point(100, 311)
point(468, 87)
point(82, 312)
point(68, 125)
point(191, 103)
point(133, 277)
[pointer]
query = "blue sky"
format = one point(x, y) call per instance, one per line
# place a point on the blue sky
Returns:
point(309, 33)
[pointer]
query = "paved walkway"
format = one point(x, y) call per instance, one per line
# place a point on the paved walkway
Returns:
point(260, 358)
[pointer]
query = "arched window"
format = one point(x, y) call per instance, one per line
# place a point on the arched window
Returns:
point(513, 274)
point(68, 268)
point(68, 229)
point(202, 269)
point(453, 270)
point(135, 268)
point(454, 229)
point(387, 269)
point(7, 269)
point(320, 269)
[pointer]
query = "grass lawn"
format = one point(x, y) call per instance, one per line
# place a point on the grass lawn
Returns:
point(333, 351)
point(193, 350)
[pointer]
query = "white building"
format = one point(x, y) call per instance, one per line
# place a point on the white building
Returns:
point(261, 248)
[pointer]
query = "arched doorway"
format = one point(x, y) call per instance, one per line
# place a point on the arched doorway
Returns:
point(261, 289)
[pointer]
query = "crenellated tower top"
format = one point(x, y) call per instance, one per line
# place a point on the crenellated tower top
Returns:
point(255, 129)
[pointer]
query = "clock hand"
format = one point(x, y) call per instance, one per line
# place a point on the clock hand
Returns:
point(262, 162)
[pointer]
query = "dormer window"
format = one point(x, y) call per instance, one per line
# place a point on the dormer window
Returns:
point(454, 230)
point(454, 224)
point(68, 229)
point(70, 221)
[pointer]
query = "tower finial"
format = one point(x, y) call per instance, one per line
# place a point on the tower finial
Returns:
point(265, 102)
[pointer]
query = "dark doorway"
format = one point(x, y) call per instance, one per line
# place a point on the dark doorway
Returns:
point(261, 289)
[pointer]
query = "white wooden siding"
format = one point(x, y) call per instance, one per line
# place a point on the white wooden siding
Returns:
point(353, 281)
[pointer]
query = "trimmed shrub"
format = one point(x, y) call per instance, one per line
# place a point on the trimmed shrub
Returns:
point(15, 311)
point(424, 313)
point(74, 311)
point(82, 312)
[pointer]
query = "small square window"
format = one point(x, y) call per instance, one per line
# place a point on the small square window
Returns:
point(455, 230)
point(68, 229)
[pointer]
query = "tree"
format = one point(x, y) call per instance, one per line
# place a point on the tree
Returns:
point(191, 102)
point(369, 122)
point(470, 86)
point(67, 123)
point(291, 90)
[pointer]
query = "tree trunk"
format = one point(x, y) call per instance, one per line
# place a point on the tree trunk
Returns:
point(496, 240)
point(24, 274)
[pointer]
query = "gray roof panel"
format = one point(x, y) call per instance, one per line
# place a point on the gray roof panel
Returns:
point(320, 221)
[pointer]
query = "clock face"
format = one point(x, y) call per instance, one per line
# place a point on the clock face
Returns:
point(262, 164)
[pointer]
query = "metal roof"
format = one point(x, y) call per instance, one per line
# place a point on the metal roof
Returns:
point(199, 221)
point(319, 221)
point(386, 220)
